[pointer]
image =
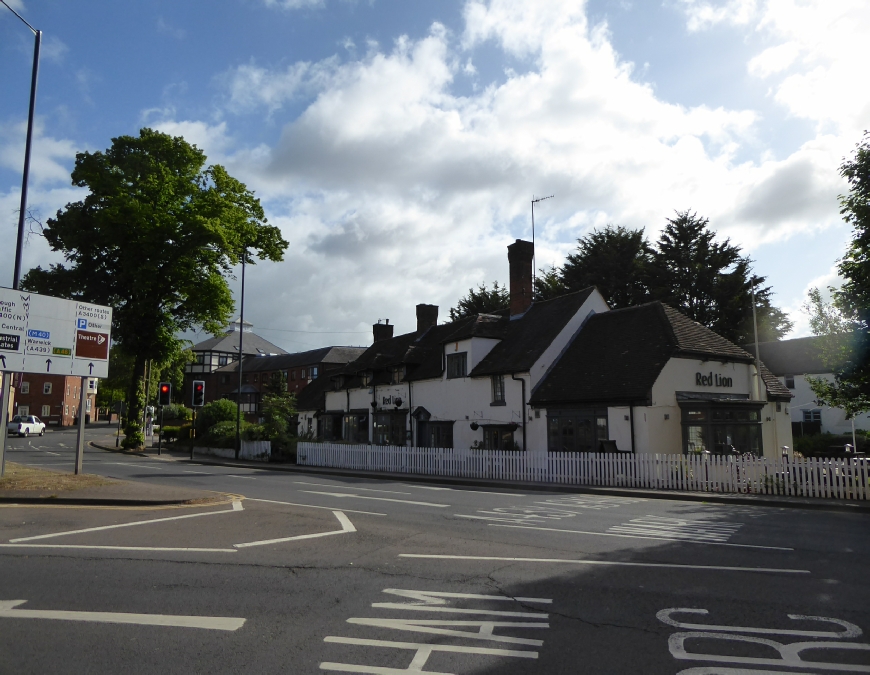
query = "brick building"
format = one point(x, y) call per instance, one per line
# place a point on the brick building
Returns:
point(297, 371)
point(55, 399)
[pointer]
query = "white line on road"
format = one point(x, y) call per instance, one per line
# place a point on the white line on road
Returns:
point(635, 536)
point(48, 452)
point(8, 609)
point(311, 506)
point(206, 473)
point(237, 506)
point(235, 475)
point(392, 492)
point(122, 548)
point(479, 492)
point(605, 563)
point(378, 499)
point(346, 526)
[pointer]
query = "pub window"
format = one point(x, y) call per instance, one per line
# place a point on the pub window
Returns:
point(580, 430)
point(200, 358)
point(356, 428)
point(389, 429)
point(457, 365)
point(812, 415)
point(397, 375)
point(330, 427)
point(499, 437)
point(25, 387)
point(223, 359)
point(789, 381)
point(498, 389)
point(46, 388)
point(435, 435)
point(721, 430)
point(338, 383)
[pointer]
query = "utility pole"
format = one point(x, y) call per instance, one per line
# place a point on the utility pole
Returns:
point(534, 269)
point(241, 358)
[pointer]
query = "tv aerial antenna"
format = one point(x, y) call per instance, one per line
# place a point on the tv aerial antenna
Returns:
point(534, 270)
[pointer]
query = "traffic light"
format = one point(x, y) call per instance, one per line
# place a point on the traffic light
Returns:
point(198, 393)
point(164, 391)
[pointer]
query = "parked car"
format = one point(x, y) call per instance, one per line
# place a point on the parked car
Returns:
point(24, 425)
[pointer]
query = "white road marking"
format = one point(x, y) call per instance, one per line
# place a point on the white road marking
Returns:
point(48, 452)
point(311, 506)
point(392, 492)
point(431, 626)
point(637, 536)
point(852, 631)
point(138, 522)
point(122, 548)
point(63, 445)
point(8, 609)
point(378, 499)
point(606, 563)
point(206, 473)
point(436, 597)
point(455, 649)
point(346, 526)
point(479, 492)
point(235, 475)
point(678, 528)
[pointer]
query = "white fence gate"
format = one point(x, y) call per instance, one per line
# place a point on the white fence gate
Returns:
point(831, 478)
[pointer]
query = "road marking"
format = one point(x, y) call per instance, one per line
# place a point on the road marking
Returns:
point(122, 548)
point(678, 528)
point(637, 536)
point(206, 473)
point(8, 609)
point(63, 445)
point(138, 522)
point(392, 492)
point(435, 597)
point(346, 527)
point(48, 452)
point(591, 502)
point(852, 631)
point(235, 475)
point(378, 499)
point(311, 506)
point(479, 492)
point(606, 563)
point(432, 626)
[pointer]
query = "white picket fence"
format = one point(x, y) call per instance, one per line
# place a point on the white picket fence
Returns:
point(829, 478)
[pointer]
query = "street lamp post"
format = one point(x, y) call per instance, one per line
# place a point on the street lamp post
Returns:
point(7, 376)
point(241, 358)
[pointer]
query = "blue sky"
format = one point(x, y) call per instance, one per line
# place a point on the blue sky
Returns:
point(397, 144)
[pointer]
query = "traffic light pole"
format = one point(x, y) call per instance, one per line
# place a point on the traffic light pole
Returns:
point(80, 439)
point(160, 432)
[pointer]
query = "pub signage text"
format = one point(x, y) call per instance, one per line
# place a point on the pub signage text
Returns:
point(712, 380)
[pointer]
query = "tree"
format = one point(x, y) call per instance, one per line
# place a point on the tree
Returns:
point(549, 284)
point(711, 282)
point(155, 238)
point(481, 301)
point(845, 322)
point(616, 261)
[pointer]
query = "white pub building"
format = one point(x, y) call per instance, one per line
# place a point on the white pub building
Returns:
point(566, 374)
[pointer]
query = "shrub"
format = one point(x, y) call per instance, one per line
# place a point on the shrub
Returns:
point(170, 433)
point(176, 411)
point(222, 410)
point(828, 445)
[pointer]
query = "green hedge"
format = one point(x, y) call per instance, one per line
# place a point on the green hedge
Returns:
point(828, 445)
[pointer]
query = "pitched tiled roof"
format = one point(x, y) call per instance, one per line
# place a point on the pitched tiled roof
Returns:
point(527, 337)
point(229, 343)
point(313, 395)
point(793, 357)
point(618, 355)
point(337, 355)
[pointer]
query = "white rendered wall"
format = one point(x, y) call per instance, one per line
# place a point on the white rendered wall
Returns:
point(833, 419)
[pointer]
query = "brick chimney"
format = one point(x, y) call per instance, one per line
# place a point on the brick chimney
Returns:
point(427, 316)
point(520, 255)
point(382, 331)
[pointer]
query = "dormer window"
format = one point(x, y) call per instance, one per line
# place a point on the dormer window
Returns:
point(366, 377)
point(398, 374)
point(338, 383)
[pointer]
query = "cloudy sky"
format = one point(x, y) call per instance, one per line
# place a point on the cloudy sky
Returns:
point(398, 143)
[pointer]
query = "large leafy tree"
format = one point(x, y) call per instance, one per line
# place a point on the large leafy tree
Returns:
point(156, 237)
point(711, 281)
point(616, 261)
point(481, 301)
point(846, 321)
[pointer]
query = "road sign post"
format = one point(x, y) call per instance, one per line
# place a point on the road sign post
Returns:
point(80, 438)
point(7, 385)
point(43, 334)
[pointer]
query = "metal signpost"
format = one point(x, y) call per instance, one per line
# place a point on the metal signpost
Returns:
point(42, 334)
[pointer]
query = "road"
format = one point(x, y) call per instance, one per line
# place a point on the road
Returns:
point(312, 573)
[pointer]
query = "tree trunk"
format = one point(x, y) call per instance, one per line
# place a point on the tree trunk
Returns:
point(134, 439)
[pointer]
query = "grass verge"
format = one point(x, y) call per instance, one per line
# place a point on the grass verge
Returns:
point(20, 477)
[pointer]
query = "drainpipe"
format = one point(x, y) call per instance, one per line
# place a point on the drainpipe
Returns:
point(631, 423)
point(523, 383)
point(411, 417)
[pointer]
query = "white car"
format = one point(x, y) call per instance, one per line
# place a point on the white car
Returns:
point(24, 425)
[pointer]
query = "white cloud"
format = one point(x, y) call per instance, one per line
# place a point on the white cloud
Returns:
point(53, 49)
point(51, 159)
point(702, 14)
point(294, 4)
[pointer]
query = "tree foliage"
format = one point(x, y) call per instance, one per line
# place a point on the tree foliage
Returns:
point(156, 237)
point(616, 261)
point(845, 322)
point(481, 301)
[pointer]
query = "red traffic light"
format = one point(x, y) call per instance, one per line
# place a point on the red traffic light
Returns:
point(164, 388)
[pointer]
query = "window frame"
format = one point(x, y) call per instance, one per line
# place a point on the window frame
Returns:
point(46, 388)
point(498, 392)
point(25, 388)
point(453, 371)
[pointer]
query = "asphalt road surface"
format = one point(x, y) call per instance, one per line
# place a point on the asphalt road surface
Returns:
point(310, 573)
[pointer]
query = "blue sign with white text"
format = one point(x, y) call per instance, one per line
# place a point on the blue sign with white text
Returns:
point(41, 334)
point(82, 324)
